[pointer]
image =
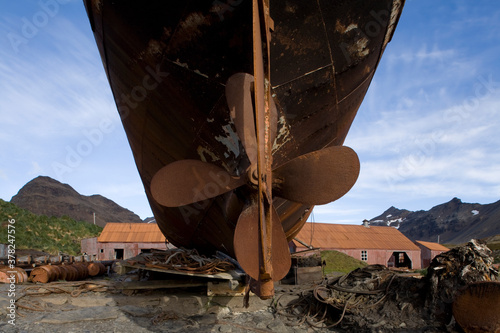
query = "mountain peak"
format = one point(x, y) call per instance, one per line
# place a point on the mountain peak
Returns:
point(453, 221)
point(391, 217)
point(455, 201)
point(46, 196)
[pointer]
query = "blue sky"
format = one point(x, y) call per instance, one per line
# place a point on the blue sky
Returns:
point(426, 132)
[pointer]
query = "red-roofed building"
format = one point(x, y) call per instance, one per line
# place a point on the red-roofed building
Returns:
point(429, 251)
point(124, 240)
point(373, 244)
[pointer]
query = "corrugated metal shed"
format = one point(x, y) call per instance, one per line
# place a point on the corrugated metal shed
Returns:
point(433, 246)
point(345, 236)
point(131, 233)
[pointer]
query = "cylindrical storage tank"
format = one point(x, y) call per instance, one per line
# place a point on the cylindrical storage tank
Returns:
point(57, 269)
point(44, 274)
point(96, 268)
point(83, 271)
point(22, 272)
point(5, 276)
point(71, 273)
point(63, 272)
point(19, 275)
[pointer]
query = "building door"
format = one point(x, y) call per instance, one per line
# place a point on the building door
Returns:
point(399, 259)
point(119, 254)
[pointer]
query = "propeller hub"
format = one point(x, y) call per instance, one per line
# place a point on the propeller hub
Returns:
point(253, 177)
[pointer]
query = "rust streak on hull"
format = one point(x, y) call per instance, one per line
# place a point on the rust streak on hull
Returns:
point(168, 63)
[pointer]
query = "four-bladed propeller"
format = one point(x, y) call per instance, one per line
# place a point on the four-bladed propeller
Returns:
point(315, 178)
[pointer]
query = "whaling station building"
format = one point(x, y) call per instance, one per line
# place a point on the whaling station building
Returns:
point(429, 250)
point(124, 240)
point(373, 244)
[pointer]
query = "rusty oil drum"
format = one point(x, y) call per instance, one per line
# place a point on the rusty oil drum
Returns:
point(19, 274)
point(96, 269)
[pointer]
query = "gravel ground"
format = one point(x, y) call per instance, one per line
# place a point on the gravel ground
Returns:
point(376, 300)
point(145, 311)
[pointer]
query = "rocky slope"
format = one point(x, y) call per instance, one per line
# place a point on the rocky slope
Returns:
point(46, 196)
point(454, 222)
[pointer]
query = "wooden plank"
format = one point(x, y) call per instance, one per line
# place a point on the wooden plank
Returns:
point(309, 274)
point(158, 284)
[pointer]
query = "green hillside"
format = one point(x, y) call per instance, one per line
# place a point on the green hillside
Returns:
point(340, 262)
point(43, 233)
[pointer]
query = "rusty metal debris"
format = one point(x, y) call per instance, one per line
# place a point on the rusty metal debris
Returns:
point(74, 272)
point(169, 78)
point(74, 288)
point(376, 297)
point(20, 275)
point(476, 307)
point(49, 273)
point(353, 293)
point(29, 260)
point(453, 270)
point(183, 260)
point(96, 268)
point(182, 268)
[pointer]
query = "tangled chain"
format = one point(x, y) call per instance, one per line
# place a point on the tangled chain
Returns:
point(354, 292)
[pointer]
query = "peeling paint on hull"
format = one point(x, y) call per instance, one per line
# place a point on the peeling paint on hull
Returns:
point(319, 76)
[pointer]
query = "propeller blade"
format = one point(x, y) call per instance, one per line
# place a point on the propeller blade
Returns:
point(188, 181)
point(318, 177)
point(248, 247)
point(239, 99)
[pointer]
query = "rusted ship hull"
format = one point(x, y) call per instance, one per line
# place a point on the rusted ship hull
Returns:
point(168, 63)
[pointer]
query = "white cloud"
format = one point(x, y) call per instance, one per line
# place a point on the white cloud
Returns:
point(427, 127)
point(52, 95)
point(56, 87)
point(436, 54)
point(431, 152)
point(335, 213)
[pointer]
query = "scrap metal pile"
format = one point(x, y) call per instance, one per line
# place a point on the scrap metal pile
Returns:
point(49, 273)
point(457, 272)
point(375, 298)
point(187, 261)
point(74, 272)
